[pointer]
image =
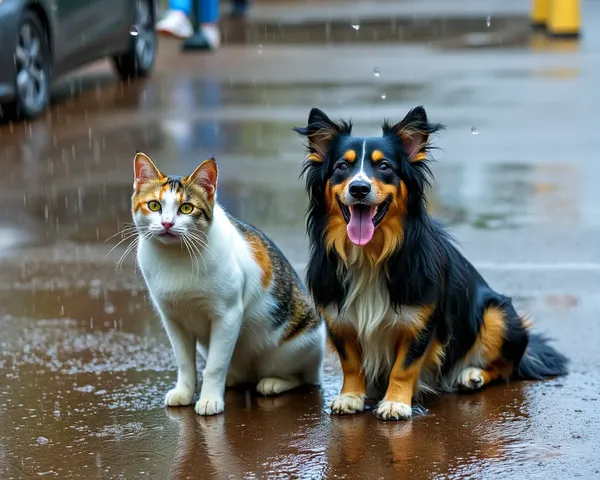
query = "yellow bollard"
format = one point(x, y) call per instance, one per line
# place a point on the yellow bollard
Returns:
point(564, 19)
point(539, 13)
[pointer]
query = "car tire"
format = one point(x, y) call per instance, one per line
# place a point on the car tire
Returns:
point(33, 60)
point(138, 61)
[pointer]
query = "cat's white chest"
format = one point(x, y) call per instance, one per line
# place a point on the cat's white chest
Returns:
point(181, 292)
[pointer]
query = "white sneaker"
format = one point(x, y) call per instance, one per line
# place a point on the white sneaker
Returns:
point(212, 33)
point(175, 23)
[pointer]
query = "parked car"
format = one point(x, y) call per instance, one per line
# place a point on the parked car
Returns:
point(43, 39)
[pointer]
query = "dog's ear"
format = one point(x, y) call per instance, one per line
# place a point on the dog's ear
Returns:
point(414, 132)
point(320, 132)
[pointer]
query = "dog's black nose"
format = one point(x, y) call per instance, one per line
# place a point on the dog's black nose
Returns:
point(359, 189)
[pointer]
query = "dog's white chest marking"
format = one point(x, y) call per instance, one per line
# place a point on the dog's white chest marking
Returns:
point(367, 309)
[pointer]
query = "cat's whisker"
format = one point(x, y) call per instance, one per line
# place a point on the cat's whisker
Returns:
point(204, 244)
point(127, 251)
point(200, 245)
point(199, 255)
point(185, 243)
point(129, 236)
point(125, 231)
point(196, 252)
point(132, 246)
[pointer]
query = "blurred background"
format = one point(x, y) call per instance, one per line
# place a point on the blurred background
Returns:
point(84, 363)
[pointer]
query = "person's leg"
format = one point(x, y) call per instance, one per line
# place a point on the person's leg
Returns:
point(209, 11)
point(176, 21)
point(240, 8)
point(184, 6)
point(209, 22)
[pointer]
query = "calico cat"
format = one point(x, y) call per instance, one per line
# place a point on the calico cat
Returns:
point(222, 283)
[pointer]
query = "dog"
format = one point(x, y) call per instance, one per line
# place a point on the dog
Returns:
point(405, 311)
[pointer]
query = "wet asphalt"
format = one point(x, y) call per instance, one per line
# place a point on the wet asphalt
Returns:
point(84, 363)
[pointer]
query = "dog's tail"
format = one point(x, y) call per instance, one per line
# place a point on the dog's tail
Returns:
point(541, 360)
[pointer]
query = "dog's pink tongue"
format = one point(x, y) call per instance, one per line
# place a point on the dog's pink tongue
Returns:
point(360, 228)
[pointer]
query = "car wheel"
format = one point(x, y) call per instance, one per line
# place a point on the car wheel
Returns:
point(139, 60)
point(32, 69)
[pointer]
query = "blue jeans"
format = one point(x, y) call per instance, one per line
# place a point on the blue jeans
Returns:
point(208, 9)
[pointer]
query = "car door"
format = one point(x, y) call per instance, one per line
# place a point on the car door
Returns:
point(88, 29)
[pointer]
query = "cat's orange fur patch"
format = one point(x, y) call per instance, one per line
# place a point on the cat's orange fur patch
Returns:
point(146, 193)
point(261, 256)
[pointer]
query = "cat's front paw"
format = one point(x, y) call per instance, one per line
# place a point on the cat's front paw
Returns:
point(210, 405)
point(179, 396)
point(347, 404)
point(393, 411)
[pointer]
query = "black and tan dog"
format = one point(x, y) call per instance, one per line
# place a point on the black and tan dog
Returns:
point(405, 310)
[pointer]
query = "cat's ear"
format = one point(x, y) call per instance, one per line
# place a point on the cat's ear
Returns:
point(205, 176)
point(414, 132)
point(320, 131)
point(144, 170)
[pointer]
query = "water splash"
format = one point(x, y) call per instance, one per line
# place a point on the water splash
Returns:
point(474, 131)
point(383, 96)
point(356, 26)
point(488, 21)
point(376, 72)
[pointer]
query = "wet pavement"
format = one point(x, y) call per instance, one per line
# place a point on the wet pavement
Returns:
point(84, 363)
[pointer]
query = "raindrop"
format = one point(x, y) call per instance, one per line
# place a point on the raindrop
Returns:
point(488, 21)
point(42, 441)
point(474, 131)
point(376, 72)
point(356, 26)
point(133, 31)
point(260, 49)
point(383, 96)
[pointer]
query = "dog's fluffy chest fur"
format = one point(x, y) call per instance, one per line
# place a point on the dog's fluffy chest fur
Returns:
point(368, 310)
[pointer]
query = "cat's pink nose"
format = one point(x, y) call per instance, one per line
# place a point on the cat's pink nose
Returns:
point(167, 225)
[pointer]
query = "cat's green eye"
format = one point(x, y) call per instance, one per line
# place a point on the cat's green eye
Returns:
point(186, 208)
point(153, 205)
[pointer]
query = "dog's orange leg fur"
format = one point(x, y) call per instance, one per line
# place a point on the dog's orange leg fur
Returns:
point(396, 404)
point(352, 397)
point(487, 347)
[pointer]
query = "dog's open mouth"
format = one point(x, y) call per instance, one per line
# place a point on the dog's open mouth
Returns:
point(362, 220)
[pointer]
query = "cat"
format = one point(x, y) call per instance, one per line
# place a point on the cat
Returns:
point(219, 282)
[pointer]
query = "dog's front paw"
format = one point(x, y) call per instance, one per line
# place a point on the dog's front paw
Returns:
point(209, 405)
point(470, 379)
point(179, 396)
point(347, 404)
point(386, 410)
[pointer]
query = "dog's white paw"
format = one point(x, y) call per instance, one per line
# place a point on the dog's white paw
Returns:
point(347, 404)
point(273, 386)
point(386, 410)
point(179, 396)
point(209, 405)
point(470, 379)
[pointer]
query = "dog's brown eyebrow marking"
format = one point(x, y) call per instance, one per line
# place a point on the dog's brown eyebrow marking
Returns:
point(377, 155)
point(350, 155)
